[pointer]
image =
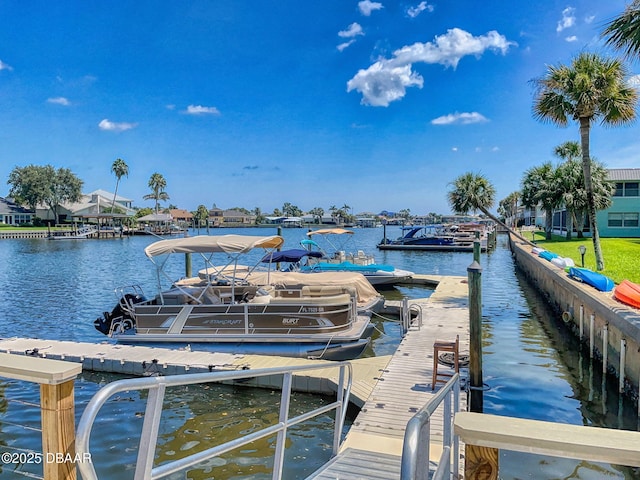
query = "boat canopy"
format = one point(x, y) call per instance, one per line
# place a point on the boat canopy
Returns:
point(330, 231)
point(212, 244)
point(412, 231)
point(293, 255)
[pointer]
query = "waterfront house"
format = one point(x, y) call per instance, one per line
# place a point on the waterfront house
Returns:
point(90, 205)
point(181, 216)
point(622, 218)
point(13, 214)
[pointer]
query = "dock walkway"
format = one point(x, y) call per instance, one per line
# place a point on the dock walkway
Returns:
point(373, 447)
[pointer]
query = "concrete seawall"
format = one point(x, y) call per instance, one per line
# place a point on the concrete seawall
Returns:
point(609, 329)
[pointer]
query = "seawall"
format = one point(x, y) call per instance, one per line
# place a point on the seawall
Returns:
point(609, 329)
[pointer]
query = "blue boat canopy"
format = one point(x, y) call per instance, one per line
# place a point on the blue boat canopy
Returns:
point(293, 255)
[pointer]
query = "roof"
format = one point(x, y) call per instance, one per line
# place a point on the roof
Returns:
point(213, 244)
point(180, 213)
point(7, 206)
point(105, 194)
point(620, 174)
point(156, 217)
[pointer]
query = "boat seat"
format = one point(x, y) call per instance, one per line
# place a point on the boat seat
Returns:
point(440, 347)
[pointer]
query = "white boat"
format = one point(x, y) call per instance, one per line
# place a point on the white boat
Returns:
point(340, 261)
point(224, 312)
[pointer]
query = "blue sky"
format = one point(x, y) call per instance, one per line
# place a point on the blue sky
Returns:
point(377, 105)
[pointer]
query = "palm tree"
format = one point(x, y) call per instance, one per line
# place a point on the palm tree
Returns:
point(540, 187)
point(473, 192)
point(571, 184)
point(157, 184)
point(623, 32)
point(591, 88)
point(120, 169)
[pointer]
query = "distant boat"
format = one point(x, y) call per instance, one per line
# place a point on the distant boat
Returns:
point(341, 261)
point(435, 235)
point(595, 279)
point(628, 293)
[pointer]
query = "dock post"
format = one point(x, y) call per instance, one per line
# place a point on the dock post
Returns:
point(57, 409)
point(187, 259)
point(58, 430)
point(475, 337)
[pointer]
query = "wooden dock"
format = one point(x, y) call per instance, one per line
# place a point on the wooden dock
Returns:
point(373, 447)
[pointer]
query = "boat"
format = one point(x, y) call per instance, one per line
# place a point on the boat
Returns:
point(628, 293)
point(437, 238)
point(597, 280)
point(339, 260)
point(225, 313)
point(435, 235)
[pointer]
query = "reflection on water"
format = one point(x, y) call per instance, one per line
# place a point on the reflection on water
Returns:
point(534, 368)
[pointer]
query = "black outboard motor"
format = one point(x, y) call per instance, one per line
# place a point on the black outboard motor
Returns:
point(103, 324)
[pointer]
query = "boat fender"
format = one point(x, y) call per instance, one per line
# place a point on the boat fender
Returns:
point(567, 316)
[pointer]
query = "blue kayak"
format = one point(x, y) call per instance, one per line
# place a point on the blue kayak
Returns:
point(595, 279)
point(547, 255)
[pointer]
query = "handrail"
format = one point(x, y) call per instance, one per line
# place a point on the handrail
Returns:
point(157, 386)
point(415, 451)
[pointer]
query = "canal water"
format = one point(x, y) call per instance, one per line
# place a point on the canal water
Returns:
point(533, 368)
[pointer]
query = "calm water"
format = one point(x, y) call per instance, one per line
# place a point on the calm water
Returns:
point(533, 368)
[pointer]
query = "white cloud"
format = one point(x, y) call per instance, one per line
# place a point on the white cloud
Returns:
point(634, 82)
point(571, 38)
point(115, 126)
point(352, 30)
point(387, 79)
point(367, 6)
point(460, 119)
point(568, 19)
point(344, 45)
point(171, 106)
point(589, 19)
point(59, 101)
point(454, 149)
point(413, 12)
point(4, 66)
point(200, 110)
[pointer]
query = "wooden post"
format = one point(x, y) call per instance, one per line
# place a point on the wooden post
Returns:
point(56, 405)
point(58, 431)
point(480, 463)
point(474, 272)
point(476, 250)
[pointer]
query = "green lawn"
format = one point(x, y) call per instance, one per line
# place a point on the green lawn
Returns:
point(621, 255)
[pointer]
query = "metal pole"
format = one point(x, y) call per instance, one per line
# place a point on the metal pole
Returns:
point(187, 259)
point(474, 272)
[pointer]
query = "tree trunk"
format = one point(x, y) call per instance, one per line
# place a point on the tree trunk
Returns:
point(579, 220)
point(503, 225)
point(548, 223)
point(569, 224)
point(588, 185)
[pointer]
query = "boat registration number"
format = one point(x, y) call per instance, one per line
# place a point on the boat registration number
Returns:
point(290, 321)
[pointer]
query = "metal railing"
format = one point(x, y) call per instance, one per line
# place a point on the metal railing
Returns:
point(151, 425)
point(407, 317)
point(417, 437)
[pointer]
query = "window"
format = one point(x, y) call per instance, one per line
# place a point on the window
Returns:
point(619, 189)
point(631, 189)
point(615, 220)
point(629, 220)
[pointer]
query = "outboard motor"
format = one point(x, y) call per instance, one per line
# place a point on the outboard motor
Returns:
point(103, 324)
